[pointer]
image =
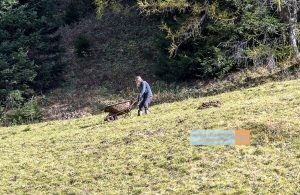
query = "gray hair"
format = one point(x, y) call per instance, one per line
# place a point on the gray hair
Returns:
point(139, 78)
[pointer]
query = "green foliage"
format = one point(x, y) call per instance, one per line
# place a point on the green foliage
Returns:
point(115, 6)
point(14, 99)
point(212, 38)
point(17, 35)
point(82, 46)
point(29, 112)
point(29, 52)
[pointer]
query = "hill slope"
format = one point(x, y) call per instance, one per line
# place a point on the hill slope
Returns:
point(153, 154)
point(122, 46)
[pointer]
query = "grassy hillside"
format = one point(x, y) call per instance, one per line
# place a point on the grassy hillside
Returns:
point(153, 154)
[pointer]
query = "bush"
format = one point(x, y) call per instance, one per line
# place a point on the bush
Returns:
point(28, 113)
point(82, 46)
point(14, 99)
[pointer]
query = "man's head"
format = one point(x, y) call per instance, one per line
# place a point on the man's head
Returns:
point(138, 80)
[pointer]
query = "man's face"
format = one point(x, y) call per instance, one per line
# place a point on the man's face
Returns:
point(137, 82)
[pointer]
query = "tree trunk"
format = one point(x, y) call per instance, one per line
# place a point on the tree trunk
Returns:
point(293, 9)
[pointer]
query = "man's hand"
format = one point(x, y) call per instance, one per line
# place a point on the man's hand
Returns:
point(139, 103)
point(139, 100)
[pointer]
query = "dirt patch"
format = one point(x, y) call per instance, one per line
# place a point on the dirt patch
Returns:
point(210, 104)
point(64, 111)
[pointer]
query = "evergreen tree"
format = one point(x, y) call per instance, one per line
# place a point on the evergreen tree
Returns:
point(211, 38)
point(29, 51)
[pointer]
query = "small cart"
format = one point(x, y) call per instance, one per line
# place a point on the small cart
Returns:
point(116, 110)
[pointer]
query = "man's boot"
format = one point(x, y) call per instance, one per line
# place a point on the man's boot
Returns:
point(147, 111)
point(140, 113)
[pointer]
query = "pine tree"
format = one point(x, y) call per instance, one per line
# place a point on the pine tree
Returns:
point(29, 53)
point(212, 38)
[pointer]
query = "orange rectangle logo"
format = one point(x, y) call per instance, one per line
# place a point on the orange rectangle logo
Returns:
point(242, 137)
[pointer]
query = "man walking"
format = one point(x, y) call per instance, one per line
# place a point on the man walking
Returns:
point(145, 95)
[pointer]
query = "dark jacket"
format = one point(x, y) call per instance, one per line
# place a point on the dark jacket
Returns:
point(145, 90)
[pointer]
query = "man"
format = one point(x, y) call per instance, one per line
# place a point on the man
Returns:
point(145, 95)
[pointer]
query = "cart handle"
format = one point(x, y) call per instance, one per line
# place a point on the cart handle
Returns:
point(132, 104)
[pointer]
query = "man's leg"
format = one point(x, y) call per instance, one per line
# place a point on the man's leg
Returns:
point(140, 112)
point(141, 107)
point(147, 104)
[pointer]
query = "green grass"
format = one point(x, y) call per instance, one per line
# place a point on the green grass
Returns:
point(152, 154)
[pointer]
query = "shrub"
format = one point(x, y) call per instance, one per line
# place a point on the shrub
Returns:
point(14, 99)
point(28, 113)
point(82, 46)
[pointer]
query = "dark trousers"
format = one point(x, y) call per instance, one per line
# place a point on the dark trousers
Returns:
point(145, 103)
